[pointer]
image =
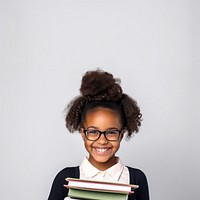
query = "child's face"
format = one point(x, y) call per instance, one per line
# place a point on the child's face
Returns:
point(102, 152)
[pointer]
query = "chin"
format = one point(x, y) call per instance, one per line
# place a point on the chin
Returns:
point(103, 160)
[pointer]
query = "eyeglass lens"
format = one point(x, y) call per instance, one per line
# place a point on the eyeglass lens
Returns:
point(110, 135)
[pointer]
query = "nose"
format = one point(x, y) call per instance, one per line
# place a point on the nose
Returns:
point(102, 139)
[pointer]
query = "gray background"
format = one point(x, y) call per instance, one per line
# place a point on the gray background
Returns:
point(47, 45)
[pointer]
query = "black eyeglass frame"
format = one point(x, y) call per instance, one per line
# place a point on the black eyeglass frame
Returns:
point(104, 133)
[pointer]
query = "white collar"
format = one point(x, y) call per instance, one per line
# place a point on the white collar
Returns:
point(90, 171)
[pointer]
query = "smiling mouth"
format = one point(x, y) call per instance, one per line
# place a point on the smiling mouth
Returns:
point(101, 150)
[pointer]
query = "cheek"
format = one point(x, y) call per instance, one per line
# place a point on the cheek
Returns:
point(87, 144)
point(117, 146)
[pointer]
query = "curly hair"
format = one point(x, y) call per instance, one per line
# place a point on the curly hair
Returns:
point(101, 89)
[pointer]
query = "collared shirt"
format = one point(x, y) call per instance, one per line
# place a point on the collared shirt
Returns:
point(116, 173)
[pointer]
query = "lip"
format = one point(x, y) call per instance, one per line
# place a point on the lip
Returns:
point(102, 150)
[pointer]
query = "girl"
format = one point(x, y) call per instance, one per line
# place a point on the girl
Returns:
point(102, 114)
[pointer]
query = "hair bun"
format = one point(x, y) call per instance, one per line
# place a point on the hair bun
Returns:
point(100, 85)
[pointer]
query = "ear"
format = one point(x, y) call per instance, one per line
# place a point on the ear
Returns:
point(82, 133)
point(122, 134)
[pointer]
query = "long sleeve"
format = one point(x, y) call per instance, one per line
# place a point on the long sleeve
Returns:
point(58, 191)
point(138, 177)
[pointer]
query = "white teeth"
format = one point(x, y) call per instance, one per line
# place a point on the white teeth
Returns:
point(101, 150)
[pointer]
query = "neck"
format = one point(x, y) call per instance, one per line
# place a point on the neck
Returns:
point(102, 166)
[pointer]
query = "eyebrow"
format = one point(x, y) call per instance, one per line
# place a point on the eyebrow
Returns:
point(111, 128)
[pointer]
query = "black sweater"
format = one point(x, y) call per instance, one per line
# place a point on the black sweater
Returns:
point(59, 192)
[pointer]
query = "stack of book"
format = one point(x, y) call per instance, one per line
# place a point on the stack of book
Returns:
point(98, 190)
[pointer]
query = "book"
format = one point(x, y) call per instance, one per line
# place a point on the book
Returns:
point(95, 195)
point(98, 190)
point(100, 185)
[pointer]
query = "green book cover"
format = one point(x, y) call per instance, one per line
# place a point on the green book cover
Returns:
point(95, 195)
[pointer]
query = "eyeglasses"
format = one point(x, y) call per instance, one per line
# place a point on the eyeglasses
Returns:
point(110, 135)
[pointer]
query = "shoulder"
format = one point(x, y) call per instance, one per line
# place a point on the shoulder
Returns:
point(135, 171)
point(68, 172)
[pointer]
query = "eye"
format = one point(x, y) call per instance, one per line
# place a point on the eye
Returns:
point(112, 132)
point(92, 132)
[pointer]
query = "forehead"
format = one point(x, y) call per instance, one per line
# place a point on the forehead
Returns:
point(102, 118)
